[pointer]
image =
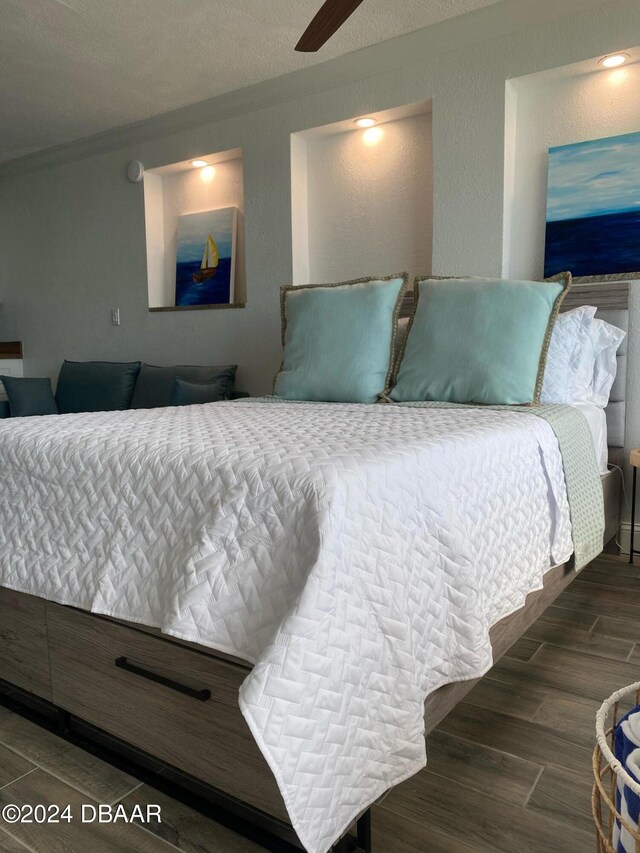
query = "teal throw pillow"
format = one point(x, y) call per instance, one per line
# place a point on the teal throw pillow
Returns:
point(338, 339)
point(29, 396)
point(190, 393)
point(479, 340)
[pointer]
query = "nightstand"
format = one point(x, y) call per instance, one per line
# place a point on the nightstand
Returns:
point(634, 459)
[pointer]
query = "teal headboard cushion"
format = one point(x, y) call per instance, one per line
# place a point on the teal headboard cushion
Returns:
point(155, 384)
point(96, 386)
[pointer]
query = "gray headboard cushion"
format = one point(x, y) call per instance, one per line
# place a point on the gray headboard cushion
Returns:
point(616, 409)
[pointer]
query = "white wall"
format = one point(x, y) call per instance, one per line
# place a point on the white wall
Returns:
point(76, 210)
point(154, 215)
point(370, 206)
point(299, 211)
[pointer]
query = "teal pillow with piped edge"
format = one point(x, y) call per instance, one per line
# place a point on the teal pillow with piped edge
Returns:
point(338, 339)
point(479, 340)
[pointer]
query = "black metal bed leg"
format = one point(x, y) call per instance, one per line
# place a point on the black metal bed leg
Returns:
point(363, 828)
point(362, 842)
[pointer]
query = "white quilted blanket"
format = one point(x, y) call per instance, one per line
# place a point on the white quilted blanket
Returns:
point(357, 555)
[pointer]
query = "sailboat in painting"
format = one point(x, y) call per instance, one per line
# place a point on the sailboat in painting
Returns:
point(205, 257)
point(210, 261)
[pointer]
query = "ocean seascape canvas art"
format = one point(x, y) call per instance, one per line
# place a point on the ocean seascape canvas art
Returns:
point(205, 258)
point(593, 208)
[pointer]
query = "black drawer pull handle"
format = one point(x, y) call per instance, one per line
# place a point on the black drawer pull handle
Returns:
point(200, 695)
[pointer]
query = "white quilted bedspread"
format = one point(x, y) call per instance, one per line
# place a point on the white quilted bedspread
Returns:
point(357, 555)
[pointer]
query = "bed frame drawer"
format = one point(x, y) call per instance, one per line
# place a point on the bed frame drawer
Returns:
point(24, 660)
point(177, 704)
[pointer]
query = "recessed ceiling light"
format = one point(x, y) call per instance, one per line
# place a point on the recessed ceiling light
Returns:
point(365, 122)
point(199, 163)
point(613, 60)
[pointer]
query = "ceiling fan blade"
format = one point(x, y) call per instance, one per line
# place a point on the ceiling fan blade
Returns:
point(330, 18)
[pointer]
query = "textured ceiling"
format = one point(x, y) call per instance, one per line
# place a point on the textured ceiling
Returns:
point(72, 68)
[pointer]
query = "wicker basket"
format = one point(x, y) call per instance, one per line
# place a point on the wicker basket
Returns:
point(607, 769)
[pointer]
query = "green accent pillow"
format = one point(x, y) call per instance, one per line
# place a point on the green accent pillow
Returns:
point(479, 340)
point(29, 396)
point(190, 393)
point(155, 385)
point(338, 339)
point(96, 386)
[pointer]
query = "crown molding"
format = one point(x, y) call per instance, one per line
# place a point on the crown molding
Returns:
point(489, 22)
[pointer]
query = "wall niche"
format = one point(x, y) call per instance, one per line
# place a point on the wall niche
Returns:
point(181, 188)
point(560, 106)
point(362, 198)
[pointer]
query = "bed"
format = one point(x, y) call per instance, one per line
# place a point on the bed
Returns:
point(326, 551)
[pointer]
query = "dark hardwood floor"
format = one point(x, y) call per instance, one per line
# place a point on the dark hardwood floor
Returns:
point(509, 769)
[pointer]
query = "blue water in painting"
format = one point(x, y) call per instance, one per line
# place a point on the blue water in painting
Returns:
point(595, 245)
point(214, 291)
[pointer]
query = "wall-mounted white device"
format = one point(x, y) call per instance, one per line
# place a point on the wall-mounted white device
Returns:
point(135, 171)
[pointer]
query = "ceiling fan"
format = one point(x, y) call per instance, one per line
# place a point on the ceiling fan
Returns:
point(330, 18)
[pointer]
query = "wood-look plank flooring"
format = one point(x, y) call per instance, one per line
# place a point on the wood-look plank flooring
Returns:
point(509, 769)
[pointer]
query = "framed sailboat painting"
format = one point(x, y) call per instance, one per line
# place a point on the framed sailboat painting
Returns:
point(206, 257)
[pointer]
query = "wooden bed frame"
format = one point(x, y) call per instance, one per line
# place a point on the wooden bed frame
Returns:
point(172, 705)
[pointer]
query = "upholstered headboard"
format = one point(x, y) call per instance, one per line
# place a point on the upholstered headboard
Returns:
point(612, 301)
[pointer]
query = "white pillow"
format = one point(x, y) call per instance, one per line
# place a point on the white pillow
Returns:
point(569, 338)
point(605, 341)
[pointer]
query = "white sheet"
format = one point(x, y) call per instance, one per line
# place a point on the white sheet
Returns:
point(356, 554)
point(597, 420)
